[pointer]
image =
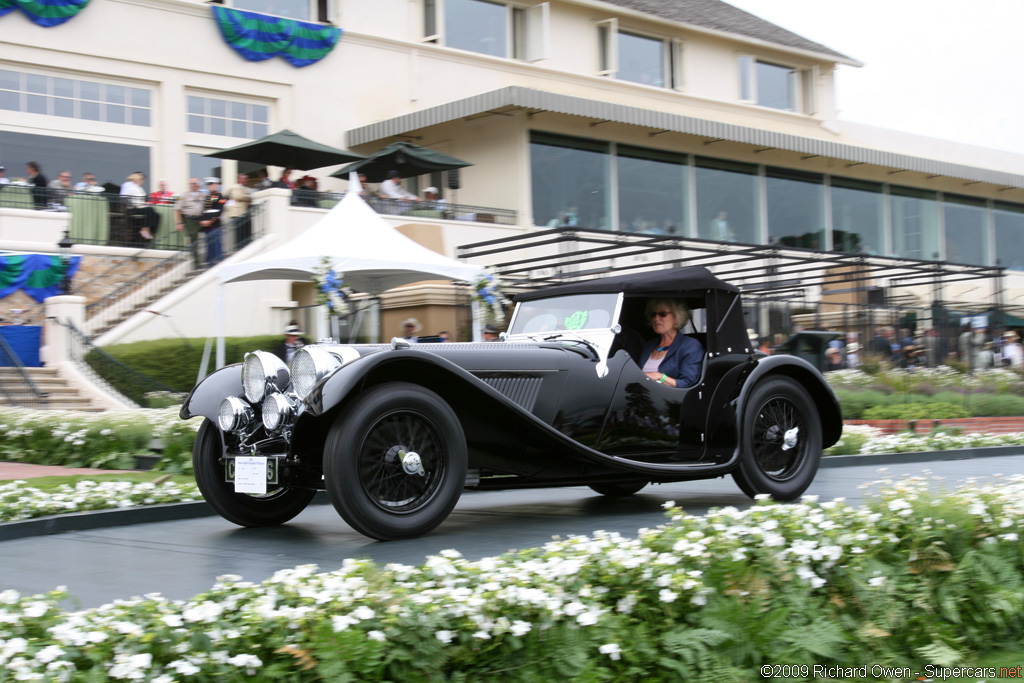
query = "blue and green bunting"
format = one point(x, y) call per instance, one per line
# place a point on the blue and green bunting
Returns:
point(258, 37)
point(45, 12)
point(38, 275)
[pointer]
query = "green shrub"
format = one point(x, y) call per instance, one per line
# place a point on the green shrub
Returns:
point(854, 402)
point(996, 405)
point(111, 440)
point(916, 411)
point(176, 364)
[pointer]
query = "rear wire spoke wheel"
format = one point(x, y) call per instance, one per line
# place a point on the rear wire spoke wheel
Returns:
point(277, 506)
point(781, 446)
point(395, 461)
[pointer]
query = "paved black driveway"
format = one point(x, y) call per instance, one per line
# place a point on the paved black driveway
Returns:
point(182, 558)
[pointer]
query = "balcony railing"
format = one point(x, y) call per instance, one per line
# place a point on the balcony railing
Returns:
point(422, 209)
point(104, 218)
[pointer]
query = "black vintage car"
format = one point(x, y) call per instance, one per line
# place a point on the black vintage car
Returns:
point(394, 432)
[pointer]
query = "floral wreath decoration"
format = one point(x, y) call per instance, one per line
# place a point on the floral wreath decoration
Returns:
point(488, 293)
point(330, 288)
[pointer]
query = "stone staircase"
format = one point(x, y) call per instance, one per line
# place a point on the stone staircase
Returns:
point(62, 394)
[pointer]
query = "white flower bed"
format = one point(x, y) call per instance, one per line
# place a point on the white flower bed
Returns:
point(583, 596)
point(20, 501)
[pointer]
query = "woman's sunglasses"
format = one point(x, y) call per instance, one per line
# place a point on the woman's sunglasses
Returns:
point(661, 314)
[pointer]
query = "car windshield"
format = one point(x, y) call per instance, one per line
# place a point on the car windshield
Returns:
point(565, 314)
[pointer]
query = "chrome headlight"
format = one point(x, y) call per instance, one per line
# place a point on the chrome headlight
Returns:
point(277, 410)
point(311, 364)
point(261, 370)
point(234, 414)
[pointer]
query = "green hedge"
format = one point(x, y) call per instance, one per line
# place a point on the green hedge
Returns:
point(175, 363)
point(916, 411)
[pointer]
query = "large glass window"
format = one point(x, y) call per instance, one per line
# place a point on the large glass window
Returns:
point(641, 59)
point(294, 9)
point(796, 208)
point(571, 181)
point(858, 217)
point(74, 99)
point(769, 85)
point(727, 201)
point(652, 191)
point(477, 26)
point(1009, 223)
point(915, 223)
point(214, 116)
point(109, 162)
point(966, 230)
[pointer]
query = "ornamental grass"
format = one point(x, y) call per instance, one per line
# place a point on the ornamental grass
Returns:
point(916, 577)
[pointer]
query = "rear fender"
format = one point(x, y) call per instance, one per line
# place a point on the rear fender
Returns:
point(810, 379)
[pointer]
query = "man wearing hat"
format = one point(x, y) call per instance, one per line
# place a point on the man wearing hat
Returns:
point(292, 342)
point(209, 222)
point(433, 199)
point(490, 333)
point(410, 328)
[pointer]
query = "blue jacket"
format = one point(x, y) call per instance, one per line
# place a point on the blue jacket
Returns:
point(682, 362)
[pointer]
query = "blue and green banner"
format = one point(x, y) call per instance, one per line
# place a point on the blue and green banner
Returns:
point(45, 12)
point(38, 275)
point(258, 37)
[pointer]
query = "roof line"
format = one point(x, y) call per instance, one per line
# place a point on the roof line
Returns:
point(540, 100)
point(826, 53)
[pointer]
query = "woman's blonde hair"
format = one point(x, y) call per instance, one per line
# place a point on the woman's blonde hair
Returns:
point(136, 178)
point(680, 310)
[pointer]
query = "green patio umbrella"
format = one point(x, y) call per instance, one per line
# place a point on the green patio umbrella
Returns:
point(408, 159)
point(287, 149)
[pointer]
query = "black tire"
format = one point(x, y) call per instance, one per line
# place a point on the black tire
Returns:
point(368, 480)
point(617, 490)
point(769, 463)
point(244, 509)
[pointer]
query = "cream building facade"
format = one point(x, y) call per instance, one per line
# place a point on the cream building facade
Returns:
point(682, 117)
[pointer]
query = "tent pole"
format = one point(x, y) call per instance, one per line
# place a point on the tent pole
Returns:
point(219, 324)
point(474, 311)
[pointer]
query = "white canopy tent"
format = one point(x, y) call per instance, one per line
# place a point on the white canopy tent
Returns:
point(373, 256)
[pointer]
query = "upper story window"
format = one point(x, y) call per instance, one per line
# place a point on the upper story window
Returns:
point(75, 99)
point(776, 85)
point(638, 58)
point(303, 10)
point(214, 116)
point(488, 27)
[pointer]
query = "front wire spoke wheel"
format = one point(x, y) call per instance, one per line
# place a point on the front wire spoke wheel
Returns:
point(385, 468)
point(395, 461)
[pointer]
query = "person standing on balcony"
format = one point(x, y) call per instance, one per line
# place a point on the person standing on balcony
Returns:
point(60, 187)
point(134, 198)
point(188, 211)
point(210, 221)
point(236, 210)
point(88, 184)
point(392, 189)
point(161, 196)
point(4, 180)
point(38, 182)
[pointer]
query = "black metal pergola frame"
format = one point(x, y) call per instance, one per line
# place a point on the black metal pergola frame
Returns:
point(764, 273)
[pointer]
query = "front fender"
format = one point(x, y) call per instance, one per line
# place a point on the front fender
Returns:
point(206, 397)
point(810, 379)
